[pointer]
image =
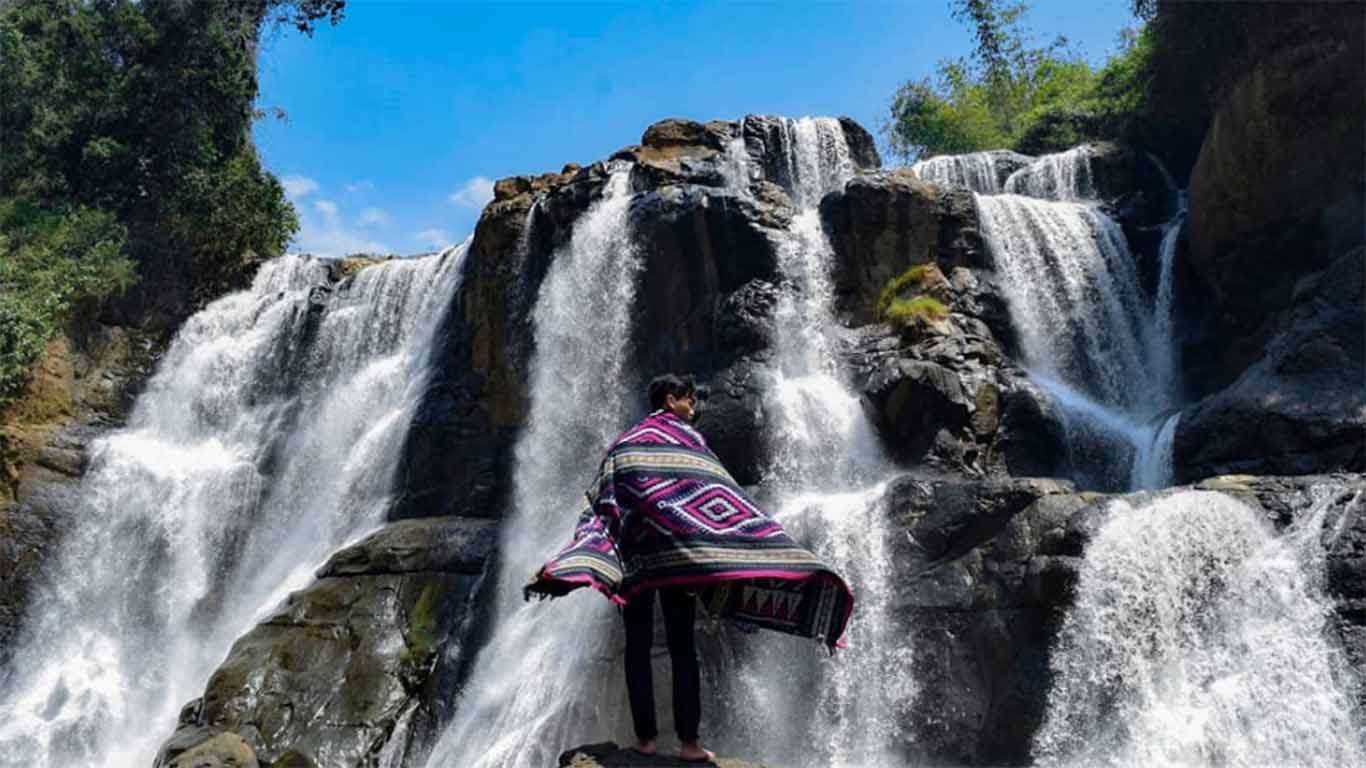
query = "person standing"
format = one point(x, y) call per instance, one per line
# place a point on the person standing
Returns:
point(665, 518)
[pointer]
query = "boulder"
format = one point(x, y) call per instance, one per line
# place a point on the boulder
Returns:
point(884, 222)
point(1300, 408)
point(987, 569)
point(365, 661)
point(698, 245)
point(608, 755)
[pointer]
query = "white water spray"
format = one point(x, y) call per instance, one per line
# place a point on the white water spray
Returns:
point(976, 171)
point(268, 436)
point(549, 677)
point(1198, 638)
point(1060, 176)
point(826, 472)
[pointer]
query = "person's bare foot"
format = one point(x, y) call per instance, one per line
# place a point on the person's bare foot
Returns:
point(693, 752)
point(645, 747)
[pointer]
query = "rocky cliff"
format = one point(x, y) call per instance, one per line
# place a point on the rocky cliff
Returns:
point(989, 557)
point(363, 666)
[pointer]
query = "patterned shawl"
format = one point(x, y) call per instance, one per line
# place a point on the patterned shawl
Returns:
point(664, 512)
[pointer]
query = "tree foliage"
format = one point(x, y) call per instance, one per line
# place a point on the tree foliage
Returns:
point(125, 127)
point(1011, 93)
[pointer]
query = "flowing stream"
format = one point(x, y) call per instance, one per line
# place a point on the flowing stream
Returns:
point(267, 438)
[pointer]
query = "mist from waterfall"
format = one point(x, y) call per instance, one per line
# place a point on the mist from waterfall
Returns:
point(551, 677)
point(268, 436)
point(826, 473)
point(1198, 637)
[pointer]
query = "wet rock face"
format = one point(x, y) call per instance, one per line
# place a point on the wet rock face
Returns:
point(360, 666)
point(884, 222)
point(987, 569)
point(1301, 407)
point(1277, 190)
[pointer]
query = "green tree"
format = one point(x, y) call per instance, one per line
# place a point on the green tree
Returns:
point(125, 128)
point(1011, 93)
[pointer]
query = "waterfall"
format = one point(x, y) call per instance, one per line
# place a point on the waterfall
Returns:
point(975, 171)
point(1198, 638)
point(1164, 311)
point(548, 678)
point(1060, 176)
point(267, 437)
point(1074, 297)
point(1087, 332)
point(826, 475)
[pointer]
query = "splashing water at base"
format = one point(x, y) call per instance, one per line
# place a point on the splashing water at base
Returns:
point(1198, 638)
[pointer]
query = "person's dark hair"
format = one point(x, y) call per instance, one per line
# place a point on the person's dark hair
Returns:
point(669, 384)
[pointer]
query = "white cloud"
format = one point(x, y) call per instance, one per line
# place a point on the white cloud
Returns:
point(434, 237)
point(298, 186)
point(356, 187)
point(374, 217)
point(323, 233)
point(474, 193)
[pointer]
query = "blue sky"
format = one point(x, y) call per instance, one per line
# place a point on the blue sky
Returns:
point(400, 117)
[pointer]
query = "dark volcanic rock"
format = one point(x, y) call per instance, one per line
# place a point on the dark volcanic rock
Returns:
point(698, 246)
point(883, 222)
point(986, 573)
point(1301, 408)
point(733, 421)
point(1277, 190)
point(608, 755)
point(356, 665)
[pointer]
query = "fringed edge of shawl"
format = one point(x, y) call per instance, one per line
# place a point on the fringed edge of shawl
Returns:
point(547, 587)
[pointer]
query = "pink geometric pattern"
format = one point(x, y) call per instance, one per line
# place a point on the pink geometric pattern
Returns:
point(664, 512)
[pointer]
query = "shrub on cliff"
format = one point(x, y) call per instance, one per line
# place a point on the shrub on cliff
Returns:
point(52, 263)
point(902, 303)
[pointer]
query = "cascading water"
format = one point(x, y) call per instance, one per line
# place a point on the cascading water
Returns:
point(267, 437)
point(976, 171)
point(1198, 638)
point(1087, 332)
point(1060, 176)
point(547, 678)
point(825, 473)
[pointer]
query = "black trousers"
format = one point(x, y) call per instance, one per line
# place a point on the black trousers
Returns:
point(680, 609)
